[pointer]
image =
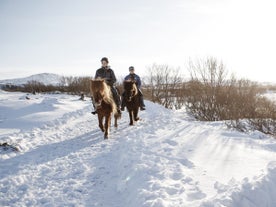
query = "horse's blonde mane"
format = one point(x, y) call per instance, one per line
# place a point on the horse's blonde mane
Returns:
point(136, 89)
point(99, 85)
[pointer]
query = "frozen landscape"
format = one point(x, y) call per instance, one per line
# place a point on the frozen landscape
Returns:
point(216, 58)
point(167, 159)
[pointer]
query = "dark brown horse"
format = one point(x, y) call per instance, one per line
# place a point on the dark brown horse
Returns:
point(104, 104)
point(132, 100)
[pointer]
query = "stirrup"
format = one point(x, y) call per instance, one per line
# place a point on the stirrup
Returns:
point(142, 108)
point(94, 112)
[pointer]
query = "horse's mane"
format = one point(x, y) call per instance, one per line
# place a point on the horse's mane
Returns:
point(99, 85)
point(128, 85)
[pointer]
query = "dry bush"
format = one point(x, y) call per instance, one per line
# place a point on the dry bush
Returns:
point(76, 85)
point(265, 116)
point(181, 94)
point(71, 85)
point(264, 119)
point(206, 88)
point(242, 96)
point(213, 96)
point(163, 85)
point(34, 86)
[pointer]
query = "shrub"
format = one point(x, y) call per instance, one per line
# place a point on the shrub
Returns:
point(164, 86)
point(214, 96)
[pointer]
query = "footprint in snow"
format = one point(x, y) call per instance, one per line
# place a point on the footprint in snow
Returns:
point(177, 176)
point(170, 142)
point(186, 162)
point(196, 195)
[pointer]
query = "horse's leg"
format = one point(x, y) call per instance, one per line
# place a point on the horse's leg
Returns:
point(107, 125)
point(115, 121)
point(135, 112)
point(130, 117)
point(100, 118)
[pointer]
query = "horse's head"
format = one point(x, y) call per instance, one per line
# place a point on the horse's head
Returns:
point(130, 90)
point(98, 91)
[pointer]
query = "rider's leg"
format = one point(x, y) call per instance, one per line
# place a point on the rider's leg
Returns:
point(141, 97)
point(116, 98)
point(123, 102)
point(95, 110)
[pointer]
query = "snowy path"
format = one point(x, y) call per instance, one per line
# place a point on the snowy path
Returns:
point(167, 159)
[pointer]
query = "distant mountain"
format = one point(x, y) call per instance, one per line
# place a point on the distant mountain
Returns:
point(45, 78)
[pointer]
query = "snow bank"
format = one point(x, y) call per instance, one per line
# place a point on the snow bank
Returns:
point(261, 192)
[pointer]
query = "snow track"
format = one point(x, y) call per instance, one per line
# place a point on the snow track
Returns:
point(167, 159)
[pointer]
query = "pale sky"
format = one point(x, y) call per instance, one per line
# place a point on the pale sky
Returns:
point(69, 37)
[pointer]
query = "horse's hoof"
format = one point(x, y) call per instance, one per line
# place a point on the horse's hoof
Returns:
point(105, 137)
point(137, 119)
point(131, 124)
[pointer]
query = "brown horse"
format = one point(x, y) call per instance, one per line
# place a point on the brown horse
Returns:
point(104, 104)
point(132, 100)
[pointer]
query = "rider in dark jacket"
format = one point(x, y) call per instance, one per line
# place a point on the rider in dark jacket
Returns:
point(134, 77)
point(105, 72)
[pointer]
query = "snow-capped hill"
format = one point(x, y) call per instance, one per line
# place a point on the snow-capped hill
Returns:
point(45, 78)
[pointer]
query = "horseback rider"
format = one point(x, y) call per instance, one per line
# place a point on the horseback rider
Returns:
point(106, 73)
point(134, 77)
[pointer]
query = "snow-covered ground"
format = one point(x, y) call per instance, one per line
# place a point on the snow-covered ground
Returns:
point(166, 160)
